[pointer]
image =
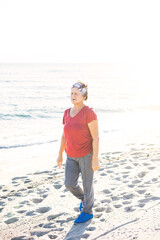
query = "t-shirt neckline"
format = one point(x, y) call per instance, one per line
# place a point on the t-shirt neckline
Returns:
point(77, 113)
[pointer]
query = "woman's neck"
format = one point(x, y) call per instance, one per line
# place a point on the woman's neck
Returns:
point(79, 106)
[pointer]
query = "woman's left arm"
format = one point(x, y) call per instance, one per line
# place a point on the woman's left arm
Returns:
point(93, 127)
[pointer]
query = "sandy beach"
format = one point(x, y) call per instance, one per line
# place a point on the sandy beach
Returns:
point(36, 205)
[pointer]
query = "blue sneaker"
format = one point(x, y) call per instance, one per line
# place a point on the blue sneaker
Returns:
point(81, 207)
point(83, 217)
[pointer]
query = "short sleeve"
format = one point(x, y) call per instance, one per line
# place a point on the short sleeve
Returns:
point(91, 115)
point(64, 116)
point(63, 121)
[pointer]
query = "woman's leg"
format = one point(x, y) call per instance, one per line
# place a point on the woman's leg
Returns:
point(85, 164)
point(71, 177)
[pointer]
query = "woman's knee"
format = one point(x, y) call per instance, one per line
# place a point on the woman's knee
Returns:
point(68, 185)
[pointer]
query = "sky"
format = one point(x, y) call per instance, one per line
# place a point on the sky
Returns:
point(60, 31)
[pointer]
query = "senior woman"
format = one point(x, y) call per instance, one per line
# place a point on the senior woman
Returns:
point(80, 140)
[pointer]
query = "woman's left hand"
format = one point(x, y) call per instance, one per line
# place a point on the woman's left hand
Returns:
point(95, 165)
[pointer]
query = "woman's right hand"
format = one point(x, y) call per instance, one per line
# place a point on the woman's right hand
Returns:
point(60, 161)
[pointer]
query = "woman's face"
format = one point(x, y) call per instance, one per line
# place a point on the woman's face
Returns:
point(76, 96)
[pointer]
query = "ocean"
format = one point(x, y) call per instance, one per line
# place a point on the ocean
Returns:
point(33, 98)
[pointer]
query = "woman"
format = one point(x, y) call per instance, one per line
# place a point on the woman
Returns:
point(80, 141)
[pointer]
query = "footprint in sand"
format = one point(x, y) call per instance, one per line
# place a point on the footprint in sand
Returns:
point(125, 176)
point(155, 160)
point(135, 164)
point(43, 172)
point(106, 191)
point(42, 191)
point(1, 209)
point(125, 173)
point(151, 168)
point(100, 209)
point(19, 178)
point(154, 179)
point(85, 236)
point(44, 195)
point(128, 167)
point(106, 200)
point(129, 209)
point(52, 236)
point(117, 205)
point(16, 184)
point(2, 204)
point(147, 182)
point(27, 181)
point(103, 174)
point(103, 220)
point(25, 202)
point(131, 186)
point(118, 179)
point(128, 196)
point(63, 195)
point(141, 205)
point(22, 238)
point(126, 181)
point(23, 189)
point(123, 162)
point(57, 185)
point(48, 225)
point(143, 201)
point(30, 187)
point(52, 217)
point(5, 190)
point(3, 197)
point(11, 220)
point(115, 166)
point(141, 191)
point(43, 209)
point(90, 228)
point(37, 200)
point(10, 199)
point(146, 164)
point(17, 194)
point(126, 202)
point(136, 181)
point(115, 198)
point(109, 209)
point(148, 199)
point(48, 178)
point(30, 191)
point(98, 215)
point(39, 233)
point(21, 211)
point(30, 213)
point(141, 174)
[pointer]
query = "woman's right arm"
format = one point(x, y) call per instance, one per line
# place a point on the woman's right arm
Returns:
point(61, 150)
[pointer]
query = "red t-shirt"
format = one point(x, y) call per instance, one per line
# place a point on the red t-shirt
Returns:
point(76, 132)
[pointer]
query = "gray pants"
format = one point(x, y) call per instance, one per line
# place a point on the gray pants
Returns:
point(73, 167)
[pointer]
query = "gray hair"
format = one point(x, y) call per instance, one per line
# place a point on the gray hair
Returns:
point(82, 88)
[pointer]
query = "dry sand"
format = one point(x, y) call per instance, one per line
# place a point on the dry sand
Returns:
point(127, 201)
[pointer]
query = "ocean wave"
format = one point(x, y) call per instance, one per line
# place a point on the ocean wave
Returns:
point(108, 110)
point(26, 145)
point(6, 116)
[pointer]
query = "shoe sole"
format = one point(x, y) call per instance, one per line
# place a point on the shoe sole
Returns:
point(83, 222)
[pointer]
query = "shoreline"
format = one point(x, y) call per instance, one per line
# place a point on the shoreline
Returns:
point(36, 205)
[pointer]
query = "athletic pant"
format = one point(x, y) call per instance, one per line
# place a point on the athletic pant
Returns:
point(73, 167)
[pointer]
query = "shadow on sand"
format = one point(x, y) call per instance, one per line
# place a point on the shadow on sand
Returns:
point(114, 229)
point(77, 231)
